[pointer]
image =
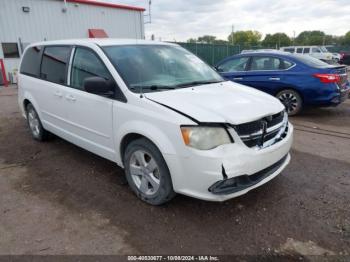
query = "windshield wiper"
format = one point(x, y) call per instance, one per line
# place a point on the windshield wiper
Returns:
point(151, 87)
point(196, 83)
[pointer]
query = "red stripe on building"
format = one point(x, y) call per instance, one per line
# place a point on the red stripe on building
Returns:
point(103, 4)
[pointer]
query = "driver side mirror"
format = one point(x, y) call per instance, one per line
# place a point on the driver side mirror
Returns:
point(99, 86)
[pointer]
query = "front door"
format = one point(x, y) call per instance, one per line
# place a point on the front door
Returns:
point(90, 116)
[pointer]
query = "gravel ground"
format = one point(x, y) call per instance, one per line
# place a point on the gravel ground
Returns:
point(59, 199)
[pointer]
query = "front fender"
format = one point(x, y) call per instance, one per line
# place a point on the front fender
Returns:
point(148, 130)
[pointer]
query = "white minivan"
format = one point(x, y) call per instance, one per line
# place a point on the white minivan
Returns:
point(319, 52)
point(159, 112)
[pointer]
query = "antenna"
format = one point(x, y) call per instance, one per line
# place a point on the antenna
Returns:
point(149, 13)
point(141, 91)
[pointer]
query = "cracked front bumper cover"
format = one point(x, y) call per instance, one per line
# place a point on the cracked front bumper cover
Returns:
point(235, 184)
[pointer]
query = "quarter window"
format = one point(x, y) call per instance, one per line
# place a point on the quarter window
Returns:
point(31, 61)
point(86, 64)
point(10, 50)
point(234, 65)
point(54, 64)
point(265, 63)
point(287, 64)
point(290, 50)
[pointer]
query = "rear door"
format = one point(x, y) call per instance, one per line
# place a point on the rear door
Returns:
point(266, 73)
point(234, 69)
point(89, 115)
point(49, 90)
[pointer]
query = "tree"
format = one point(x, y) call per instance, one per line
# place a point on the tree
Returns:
point(192, 40)
point(207, 39)
point(245, 38)
point(276, 40)
point(314, 38)
point(346, 39)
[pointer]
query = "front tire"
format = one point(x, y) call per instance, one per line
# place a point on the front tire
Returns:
point(147, 173)
point(34, 123)
point(291, 100)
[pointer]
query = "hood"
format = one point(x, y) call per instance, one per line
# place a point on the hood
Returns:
point(225, 102)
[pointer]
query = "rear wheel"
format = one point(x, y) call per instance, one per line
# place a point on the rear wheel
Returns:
point(147, 173)
point(34, 123)
point(291, 100)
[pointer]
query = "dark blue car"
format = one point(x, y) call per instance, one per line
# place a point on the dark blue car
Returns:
point(297, 80)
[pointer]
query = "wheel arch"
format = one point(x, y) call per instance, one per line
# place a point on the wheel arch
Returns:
point(290, 88)
point(139, 129)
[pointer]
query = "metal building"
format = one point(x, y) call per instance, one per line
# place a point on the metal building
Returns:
point(26, 21)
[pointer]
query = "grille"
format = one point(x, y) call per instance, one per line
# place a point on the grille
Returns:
point(255, 134)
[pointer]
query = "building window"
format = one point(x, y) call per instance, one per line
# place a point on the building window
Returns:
point(10, 50)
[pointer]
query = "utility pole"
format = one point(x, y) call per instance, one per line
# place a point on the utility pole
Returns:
point(149, 13)
point(293, 37)
point(232, 32)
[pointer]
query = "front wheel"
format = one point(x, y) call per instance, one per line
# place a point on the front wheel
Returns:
point(291, 100)
point(147, 173)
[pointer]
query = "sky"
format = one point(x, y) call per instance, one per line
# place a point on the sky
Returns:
point(180, 20)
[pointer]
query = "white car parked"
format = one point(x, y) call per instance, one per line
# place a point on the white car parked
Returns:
point(319, 52)
point(159, 112)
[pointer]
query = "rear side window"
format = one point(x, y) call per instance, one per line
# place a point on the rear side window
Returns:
point(290, 50)
point(86, 64)
point(31, 61)
point(54, 64)
point(306, 50)
point(265, 63)
point(234, 65)
point(300, 50)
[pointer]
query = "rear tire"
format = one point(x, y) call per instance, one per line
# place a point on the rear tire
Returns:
point(35, 126)
point(147, 173)
point(291, 100)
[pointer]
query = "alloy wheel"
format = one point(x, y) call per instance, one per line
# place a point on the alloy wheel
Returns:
point(144, 172)
point(34, 122)
point(290, 101)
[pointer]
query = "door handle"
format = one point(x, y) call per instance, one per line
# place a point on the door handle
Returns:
point(275, 78)
point(238, 78)
point(70, 97)
point(58, 94)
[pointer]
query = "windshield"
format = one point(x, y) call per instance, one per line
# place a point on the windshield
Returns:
point(311, 61)
point(324, 49)
point(159, 67)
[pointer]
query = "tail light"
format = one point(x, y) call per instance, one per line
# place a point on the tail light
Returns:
point(328, 78)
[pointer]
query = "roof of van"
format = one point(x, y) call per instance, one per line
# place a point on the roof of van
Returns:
point(102, 42)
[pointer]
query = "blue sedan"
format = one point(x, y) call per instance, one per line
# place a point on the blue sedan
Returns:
point(297, 80)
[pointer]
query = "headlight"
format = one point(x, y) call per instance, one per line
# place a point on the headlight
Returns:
point(205, 138)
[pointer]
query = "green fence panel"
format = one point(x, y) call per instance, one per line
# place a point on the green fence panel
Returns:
point(211, 53)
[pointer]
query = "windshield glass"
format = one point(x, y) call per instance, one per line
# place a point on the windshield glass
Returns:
point(323, 49)
point(159, 67)
point(311, 61)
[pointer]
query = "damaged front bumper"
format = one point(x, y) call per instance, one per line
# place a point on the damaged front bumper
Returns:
point(230, 170)
point(238, 183)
